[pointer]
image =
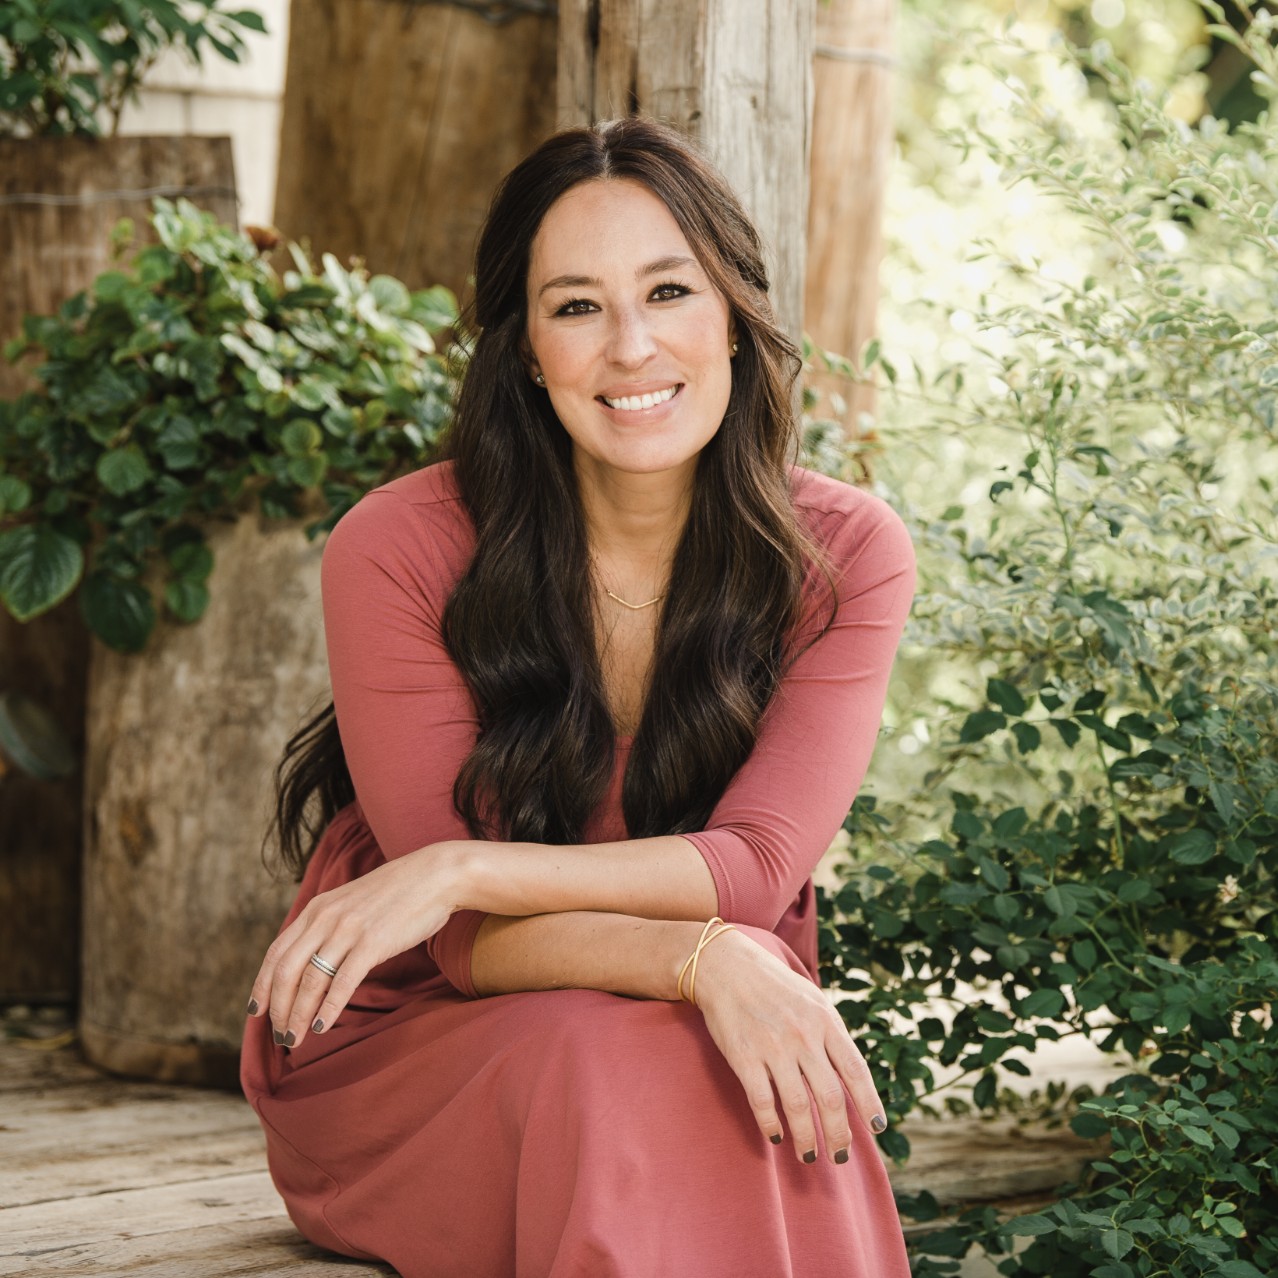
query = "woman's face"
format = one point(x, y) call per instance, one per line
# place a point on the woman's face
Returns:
point(633, 340)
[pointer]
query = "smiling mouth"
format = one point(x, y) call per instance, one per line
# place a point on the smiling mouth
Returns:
point(636, 403)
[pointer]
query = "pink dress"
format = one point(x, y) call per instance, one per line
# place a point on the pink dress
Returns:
point(568, 1133)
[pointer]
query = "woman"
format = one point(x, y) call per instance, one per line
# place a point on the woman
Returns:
point(611, 669)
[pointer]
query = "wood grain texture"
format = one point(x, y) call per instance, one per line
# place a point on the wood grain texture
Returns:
point(182, 744)
point(852, 138)
point(114, 1179)
point(59, 198)
point(399, 119)
point(733, 74)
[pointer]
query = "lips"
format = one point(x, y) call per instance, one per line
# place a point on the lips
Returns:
point(638, 402)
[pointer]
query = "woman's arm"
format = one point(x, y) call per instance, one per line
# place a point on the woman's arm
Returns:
point(774, 1028)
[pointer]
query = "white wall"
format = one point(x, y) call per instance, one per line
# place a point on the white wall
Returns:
point(242, 99)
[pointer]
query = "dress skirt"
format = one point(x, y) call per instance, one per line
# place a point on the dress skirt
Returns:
point(559, 1134)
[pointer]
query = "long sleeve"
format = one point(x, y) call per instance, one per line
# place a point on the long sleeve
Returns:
point(783, 808)
point(405, 715)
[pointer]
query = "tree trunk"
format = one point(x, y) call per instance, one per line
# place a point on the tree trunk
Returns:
point(734, 74)
point(399, 120)
point(61, 197)
point(182, 745)
point(851, 150)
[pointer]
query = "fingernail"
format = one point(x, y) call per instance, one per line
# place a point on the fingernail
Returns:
point(840, 1155)
point(277, 1036)
point(252, 1007)
point(878, 1124)
point(775, 1138)
point(810, 1156)
point(318, 1027)
point(289, 1039)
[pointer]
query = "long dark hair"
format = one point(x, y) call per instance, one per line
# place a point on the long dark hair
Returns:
point(520, 622)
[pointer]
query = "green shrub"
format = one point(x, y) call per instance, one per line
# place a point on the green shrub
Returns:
point(1092, 845)
point(63, 64)
point(188, 387)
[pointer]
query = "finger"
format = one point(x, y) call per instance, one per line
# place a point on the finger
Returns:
point(341, 989)
point(832, 1105)
point(312, 988)
point(798, 1111)
point(762, 1100)
point(847, 1059)
point(290, 970)
point(264, 982)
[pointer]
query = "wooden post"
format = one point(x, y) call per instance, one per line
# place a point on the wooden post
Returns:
point(851, 150)
point(734, 74)
point(399, 119)
point(182, 744)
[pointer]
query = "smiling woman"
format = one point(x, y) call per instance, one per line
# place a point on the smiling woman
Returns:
point(605, 676)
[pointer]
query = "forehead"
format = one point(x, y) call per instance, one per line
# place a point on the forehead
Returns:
point(606, 222)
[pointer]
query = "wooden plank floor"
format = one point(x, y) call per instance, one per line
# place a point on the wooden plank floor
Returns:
point(116, 1179)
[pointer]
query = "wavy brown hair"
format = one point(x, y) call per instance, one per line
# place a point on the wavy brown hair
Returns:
point(520, 622)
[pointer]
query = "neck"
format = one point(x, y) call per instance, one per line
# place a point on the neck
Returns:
point(634, 521)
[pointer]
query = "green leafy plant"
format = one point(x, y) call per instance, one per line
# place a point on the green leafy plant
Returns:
point(1090, 844)
point(189, 386)
point(65, 62)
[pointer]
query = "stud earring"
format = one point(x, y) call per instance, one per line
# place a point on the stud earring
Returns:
point(540, 380)
point(734, 348)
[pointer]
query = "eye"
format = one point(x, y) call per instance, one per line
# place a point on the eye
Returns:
point(668, 292)
point(576, 306)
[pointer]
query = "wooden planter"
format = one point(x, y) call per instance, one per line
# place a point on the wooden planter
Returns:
point(61, 196)
point(182, 744)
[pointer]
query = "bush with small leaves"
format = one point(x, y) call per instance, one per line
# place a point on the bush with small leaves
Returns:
point(1093, 848)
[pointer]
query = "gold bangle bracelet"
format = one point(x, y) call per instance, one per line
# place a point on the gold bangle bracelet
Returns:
point(690, 967)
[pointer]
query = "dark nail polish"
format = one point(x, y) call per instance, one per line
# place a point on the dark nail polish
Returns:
point(289, 1039)
point(878, 1124)
point(810, 1156)
point(775, 1138)
point(252, 1007)
point(840, 1155)
point(277, 1036)
point(318, 1026)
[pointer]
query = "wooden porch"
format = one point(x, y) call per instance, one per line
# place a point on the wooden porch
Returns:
point(118, 1179)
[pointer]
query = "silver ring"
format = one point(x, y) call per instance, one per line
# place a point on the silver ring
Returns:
point(324, 965)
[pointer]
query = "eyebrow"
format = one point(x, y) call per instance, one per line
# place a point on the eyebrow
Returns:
point(672, 263)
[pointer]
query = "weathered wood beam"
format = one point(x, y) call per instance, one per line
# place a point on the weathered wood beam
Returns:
point(733, 74)
point(852, 138)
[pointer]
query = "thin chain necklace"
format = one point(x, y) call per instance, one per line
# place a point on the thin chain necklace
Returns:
point(636, 607)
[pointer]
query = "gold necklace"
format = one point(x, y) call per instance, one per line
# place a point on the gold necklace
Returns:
point(636, 607)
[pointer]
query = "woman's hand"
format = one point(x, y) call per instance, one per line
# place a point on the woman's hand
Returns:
point(775, 1028)
point(353, 928)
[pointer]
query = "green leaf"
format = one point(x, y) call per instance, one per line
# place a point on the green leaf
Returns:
point(1117, 1243)
point(1041, 1003)
point(1031, 1226)
point(1005, 696)
point(186, 599)
point(123, 470)
point(39, 567)
point(15, 494)
point(980, 723)
point(390, 295)
point(120, 612)
point(192, 560)
point(1193, 847)
point(300, 437)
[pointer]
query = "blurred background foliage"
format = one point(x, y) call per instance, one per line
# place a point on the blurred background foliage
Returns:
point(1073, 824)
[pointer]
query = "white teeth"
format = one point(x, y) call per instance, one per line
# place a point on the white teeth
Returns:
point(633, 403)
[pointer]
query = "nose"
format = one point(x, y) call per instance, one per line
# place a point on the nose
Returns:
point(631, 340)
